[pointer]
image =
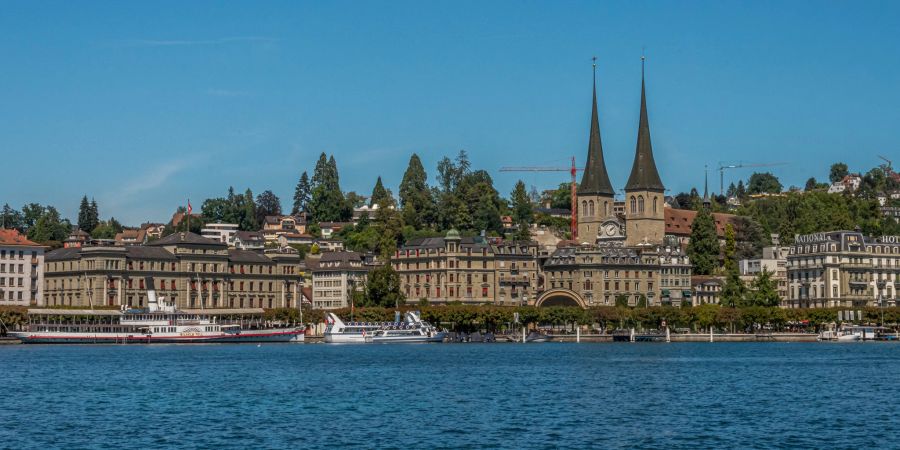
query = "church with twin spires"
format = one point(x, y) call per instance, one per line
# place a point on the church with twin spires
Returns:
point(643, 223)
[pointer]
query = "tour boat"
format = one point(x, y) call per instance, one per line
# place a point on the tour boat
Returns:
point(159, 323)
point(412, 330)
point(338, 332)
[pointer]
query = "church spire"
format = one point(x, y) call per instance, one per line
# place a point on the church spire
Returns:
point(644, 175)
point(706, 201)
point(595, 180)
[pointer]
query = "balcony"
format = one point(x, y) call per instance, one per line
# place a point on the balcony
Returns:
point(514, 280)
point(856, 265)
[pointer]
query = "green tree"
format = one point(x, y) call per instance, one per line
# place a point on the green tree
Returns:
point(302, 194)
point(11, 219)
point(84, 215)
point(764, 183)
point(248, 212)
point(327, 203)
point(267, 204)
point(383, 287)
point(838, 171)
point(734, 291)
point(49, 228)
point(415, 198)
point(522, 209)
point(811, 184)
point(703, 248)
point(380, 195)
point(765, 290)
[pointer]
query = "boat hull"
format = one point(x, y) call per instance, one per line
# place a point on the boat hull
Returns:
point(338, 338)
point(281, 335)
point(439, 337)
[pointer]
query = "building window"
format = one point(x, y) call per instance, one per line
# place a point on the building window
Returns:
point(633, 205)
point(641, 203)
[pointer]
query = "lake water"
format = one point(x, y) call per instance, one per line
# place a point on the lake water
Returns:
point(451, 395)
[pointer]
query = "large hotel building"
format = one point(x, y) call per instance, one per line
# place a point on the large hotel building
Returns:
point(192, 270)
point(843, 269)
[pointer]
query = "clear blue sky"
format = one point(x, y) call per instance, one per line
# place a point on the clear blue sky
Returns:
point(145, 105)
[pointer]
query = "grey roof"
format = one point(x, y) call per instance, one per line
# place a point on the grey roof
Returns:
point(438, 242)
point(144, 252)
point(186, 238)
point(247, 256)
point(249, 236)
point(595, 180)
point(644, 175)
point(63, 254)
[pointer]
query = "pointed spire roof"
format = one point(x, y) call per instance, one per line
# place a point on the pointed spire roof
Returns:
point(644, 175)
point(595, 180)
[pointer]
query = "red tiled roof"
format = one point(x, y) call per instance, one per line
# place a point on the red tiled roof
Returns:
point(679, 221)
point(13, 237)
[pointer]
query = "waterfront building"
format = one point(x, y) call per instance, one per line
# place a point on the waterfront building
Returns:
point(21, 269)
point(469, 270)
point(774, 261)
point(707, 289)
point(336, 276)
point(186, 268)
point(842, 269)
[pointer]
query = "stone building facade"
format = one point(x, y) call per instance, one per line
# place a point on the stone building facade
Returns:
point(336, 276)
point(21, 270)
point(468, 270)
point(842, 269)
point(194, 271)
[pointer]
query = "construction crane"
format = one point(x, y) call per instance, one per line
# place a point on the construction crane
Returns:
point(573, 171)
point(723, 167)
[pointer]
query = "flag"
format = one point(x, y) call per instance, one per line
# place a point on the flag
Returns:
point(189, 207)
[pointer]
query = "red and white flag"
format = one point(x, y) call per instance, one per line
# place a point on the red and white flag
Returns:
point(189, 207)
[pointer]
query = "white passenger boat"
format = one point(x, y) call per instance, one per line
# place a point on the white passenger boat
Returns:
point(413, 329)
point(159, 323)
point(338, 332)
point(840, 336)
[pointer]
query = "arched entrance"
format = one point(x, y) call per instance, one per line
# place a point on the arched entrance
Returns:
point(560, 297)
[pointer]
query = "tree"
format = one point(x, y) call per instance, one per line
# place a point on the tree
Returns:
point(84, 215)
point(383, 287)
point(327, 203)
point(49, 228)
point(732, 190)
point(703, 248)
point(522, 211)
point(10, 218)
point(811, 184)
point(414, 194)
point(94, 215)
point(302, 195)
point(267, 204)
point(733, 293)
point(765, 291)
point(763, 183)
point(30, 215)
point(741, 191)
point(380, 195)
point(247, 210)
point(750, 238)
point(838, 171)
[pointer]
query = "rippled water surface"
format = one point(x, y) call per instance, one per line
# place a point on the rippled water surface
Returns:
point(445, 395)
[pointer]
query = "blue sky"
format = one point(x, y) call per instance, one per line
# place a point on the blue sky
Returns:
point(145, 105)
